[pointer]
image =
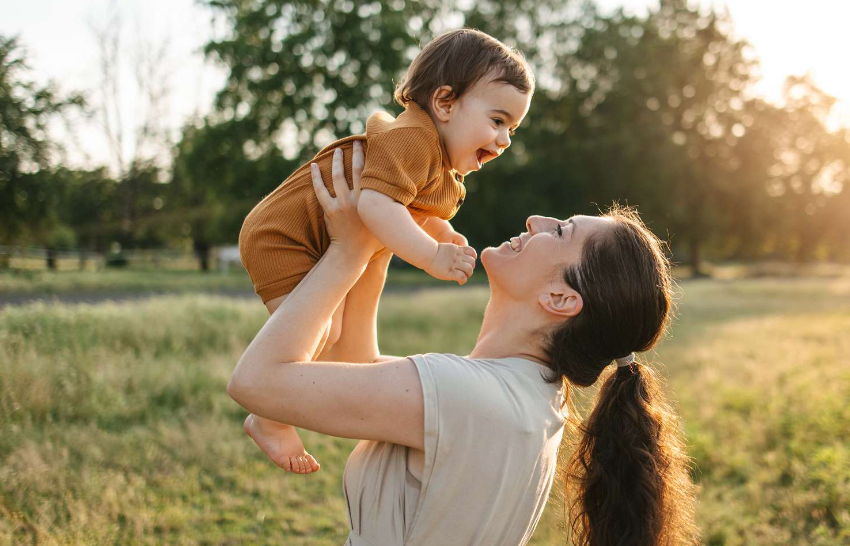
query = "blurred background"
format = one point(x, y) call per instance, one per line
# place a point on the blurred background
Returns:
point(158, 125)
point(135, 137)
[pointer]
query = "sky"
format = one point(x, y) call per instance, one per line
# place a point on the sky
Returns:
point(789, 37)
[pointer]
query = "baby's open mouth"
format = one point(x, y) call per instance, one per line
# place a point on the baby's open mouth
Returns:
point(482, 155)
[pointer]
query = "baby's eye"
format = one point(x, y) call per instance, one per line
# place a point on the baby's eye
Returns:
point(560, 231)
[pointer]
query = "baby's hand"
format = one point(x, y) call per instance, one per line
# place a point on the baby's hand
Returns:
point(452, 263)
point(453, 237)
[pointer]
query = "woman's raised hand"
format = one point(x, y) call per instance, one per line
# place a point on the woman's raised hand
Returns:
point(345, 227)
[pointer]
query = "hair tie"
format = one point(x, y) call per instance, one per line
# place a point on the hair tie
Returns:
point(625, 360)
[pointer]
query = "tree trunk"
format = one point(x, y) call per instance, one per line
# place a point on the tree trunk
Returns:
point(202, 251)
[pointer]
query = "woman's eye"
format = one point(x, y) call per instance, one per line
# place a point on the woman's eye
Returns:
point(497, 121)
point(512, 132)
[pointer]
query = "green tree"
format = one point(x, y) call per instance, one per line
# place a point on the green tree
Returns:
point(656, 107)
point(308, 71)
point(303, 73)
point(809, 171)
point(653, 110)
point(215, 183)
point(29, 206)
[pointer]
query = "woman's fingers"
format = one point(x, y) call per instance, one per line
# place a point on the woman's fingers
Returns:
point(322, 193)
point(338, 176)
point(358, 159)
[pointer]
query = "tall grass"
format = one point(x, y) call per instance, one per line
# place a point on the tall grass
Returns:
point(133, 281)
point(115, 427)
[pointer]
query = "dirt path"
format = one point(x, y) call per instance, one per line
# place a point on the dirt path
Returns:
point(12, 299)
point(99, 297)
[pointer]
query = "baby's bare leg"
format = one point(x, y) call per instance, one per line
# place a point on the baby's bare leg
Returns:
point(333, 329)
point(281, 441)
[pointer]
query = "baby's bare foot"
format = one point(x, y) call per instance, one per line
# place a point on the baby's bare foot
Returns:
point(282, 444)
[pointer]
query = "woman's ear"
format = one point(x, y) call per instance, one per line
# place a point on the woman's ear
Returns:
point(561, 301)
point(442, 102)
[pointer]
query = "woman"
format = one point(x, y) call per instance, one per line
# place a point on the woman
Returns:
point(463, 450)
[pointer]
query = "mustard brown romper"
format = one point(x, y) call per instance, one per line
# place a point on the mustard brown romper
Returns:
point(284, 236)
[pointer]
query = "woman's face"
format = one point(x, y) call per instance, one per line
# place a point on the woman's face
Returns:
point(530, 262)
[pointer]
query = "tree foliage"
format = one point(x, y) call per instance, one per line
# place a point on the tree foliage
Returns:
point(656, 111)
point(28, 206)
point(651, 110)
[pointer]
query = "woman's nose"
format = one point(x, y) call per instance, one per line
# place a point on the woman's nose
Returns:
point(503, 140)
point(533, 223)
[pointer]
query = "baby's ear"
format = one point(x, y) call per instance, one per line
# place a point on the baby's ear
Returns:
point(442, 102)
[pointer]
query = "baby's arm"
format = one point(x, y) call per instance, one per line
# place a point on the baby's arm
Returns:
point(442, 231)
point(392, 224)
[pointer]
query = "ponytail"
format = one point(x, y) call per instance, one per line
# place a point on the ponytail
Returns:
point(629, 477)
point(628, 482)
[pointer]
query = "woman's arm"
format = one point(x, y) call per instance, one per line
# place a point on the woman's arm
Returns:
point(275, 379)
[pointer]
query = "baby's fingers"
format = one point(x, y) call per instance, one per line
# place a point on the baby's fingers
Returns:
point(469, 251)
point(459, 240)
point(459, 276)
point(467, 259)
point(466, 267)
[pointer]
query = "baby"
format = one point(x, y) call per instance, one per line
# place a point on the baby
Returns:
point(464, 96)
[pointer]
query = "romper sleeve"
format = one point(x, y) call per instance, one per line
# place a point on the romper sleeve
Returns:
point(400, 162)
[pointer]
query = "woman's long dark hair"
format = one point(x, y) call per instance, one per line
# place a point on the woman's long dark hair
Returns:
point(628, 480)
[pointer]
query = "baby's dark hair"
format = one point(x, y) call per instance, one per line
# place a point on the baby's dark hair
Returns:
point(460, 59)
point(628, 480)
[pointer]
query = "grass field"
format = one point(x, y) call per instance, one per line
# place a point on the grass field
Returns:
point(134, 281)
point(117, 282)
point(115, 427)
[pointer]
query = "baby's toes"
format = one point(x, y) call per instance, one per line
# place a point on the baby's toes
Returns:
point(314, 465)
point(285, 463)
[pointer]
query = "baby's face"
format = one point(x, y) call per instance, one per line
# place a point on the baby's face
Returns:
point(481, 124)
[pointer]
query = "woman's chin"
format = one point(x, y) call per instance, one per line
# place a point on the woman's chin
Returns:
point(485, 256)
point(493, 252)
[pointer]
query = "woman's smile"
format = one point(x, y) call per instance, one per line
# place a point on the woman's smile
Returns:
point(516, 244)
